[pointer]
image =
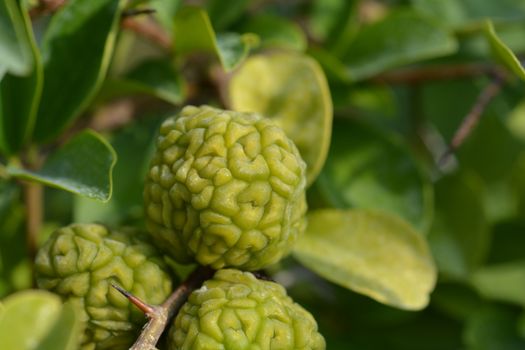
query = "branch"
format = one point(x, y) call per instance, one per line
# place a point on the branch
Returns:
point(46, 7)
point(159, 316)
point(149, 30)
point(473, 116)
point(416, 75)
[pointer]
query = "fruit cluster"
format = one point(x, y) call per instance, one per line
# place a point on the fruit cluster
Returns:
point(225, 190)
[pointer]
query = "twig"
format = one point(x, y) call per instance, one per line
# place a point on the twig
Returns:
point(472, 118)
point(159, 316)
point(33, 197)
point(137, 12)
point(416, 75)
point(45, 7)
point(148, 29)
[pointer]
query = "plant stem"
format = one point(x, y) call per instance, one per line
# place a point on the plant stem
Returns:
point(149, 30)
point(45, 7)
point(159, 316)
point(473, 116)
point(33, 197)
point(417, 75)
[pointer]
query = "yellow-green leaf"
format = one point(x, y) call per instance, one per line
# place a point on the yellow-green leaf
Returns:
point(502, 52)
point(372, 253)
point(290, 88)
point(36, 319)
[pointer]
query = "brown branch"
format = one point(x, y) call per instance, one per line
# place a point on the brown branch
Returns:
point(473, 116)
point(416, 75)
point(159, 316)
point(46, 7)
point(149, 30)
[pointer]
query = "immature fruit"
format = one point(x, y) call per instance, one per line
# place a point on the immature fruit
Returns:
point(236, 311)
point(79, 262)
point(225, 189)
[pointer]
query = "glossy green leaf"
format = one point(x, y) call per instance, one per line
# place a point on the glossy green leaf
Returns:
point(459, 236)
point(503, 282)
point(465, 14)
point(193, 32)
point(134, 146)
point(291, 89)
point(371, 253)
point(36, 319)
point(155, 77)
point(15, 45)
point(83, 166)
point(502, 52)
point(20, 95)
point(76, 50)
point(369, 169)
point(275, 31)
point(401, 38)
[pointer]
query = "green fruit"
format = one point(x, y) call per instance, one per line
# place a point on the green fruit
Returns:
point(236, 311)
point(79, 262)
point(225, 189)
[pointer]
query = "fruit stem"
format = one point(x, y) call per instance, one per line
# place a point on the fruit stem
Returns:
point(161, 315)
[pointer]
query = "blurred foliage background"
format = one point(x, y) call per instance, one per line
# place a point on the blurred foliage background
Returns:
point(392, 81)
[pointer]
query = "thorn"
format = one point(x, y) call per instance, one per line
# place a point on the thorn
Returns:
point(145, 308)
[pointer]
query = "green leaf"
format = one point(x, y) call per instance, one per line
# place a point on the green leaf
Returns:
point(20, 96)
point(156, 77)
point(134, 146)
point(275, 31)
point(66, 332)
point(459, 236)
point(503, 282)
point(371, 253)
point(83, 166)
point(76, 49)
point(401, 38)
point(369, 169)
point(37, 320)
point(193, 32)
point(15, 46)
point(165, 12)
point(502, 52)
point(465, 14)
point(334, 22)
point(291, 89)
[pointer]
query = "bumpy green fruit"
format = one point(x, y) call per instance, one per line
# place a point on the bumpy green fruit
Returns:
point(79, 262)
point(225, 189)
point(236, 311)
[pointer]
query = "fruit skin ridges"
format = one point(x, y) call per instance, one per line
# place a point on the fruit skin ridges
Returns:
point(236, 311)
point(225, 189)
point(81, 261)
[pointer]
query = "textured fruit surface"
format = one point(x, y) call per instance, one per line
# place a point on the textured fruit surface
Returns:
point(79, 262)
point(236, 311)
point(225, 189)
